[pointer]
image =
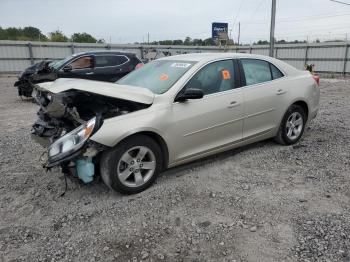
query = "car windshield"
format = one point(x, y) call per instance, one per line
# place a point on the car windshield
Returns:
point(57, 64)
point(157, 76)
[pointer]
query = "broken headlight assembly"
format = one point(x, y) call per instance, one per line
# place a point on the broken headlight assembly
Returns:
point(74, 140)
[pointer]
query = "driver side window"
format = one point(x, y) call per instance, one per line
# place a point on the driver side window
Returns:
point(82, 63)
point(213, 78)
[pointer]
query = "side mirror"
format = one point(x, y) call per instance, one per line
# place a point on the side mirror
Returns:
point(189, 93)
point(67, 68)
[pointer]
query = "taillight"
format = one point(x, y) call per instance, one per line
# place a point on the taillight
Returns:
point(317, 79)
point(139, 65)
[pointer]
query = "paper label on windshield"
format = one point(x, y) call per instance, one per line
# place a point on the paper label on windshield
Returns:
point(181, 65)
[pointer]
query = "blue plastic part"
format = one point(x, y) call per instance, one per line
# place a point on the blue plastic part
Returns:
point(85, 169)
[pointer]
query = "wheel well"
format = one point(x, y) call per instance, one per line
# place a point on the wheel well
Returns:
point(304, 107)
point(160, 141)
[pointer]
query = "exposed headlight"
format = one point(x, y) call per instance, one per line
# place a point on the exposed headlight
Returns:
point(72, 141)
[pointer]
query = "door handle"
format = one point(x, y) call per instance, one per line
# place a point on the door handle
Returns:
point(90, 73)
point(281, 92)
point(233, 104)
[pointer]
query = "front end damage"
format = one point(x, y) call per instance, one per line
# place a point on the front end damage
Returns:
point(37, 73)
point(67, 120)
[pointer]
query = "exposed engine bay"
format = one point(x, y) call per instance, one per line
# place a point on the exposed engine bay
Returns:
point(60, 113)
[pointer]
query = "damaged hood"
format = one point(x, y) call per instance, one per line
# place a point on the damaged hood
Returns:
point(124, 92)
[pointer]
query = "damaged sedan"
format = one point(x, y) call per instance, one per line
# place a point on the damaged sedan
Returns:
point(169, 112)
point(106, 66)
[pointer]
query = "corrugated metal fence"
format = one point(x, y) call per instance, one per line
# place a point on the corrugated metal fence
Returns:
point(327, 57)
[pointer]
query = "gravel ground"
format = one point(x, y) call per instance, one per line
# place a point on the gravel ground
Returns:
point(263, 202)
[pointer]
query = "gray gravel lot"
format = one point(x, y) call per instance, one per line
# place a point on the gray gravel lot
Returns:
point(263, 202)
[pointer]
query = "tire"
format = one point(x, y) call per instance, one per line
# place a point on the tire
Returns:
point(288, 133)
point(133, 165)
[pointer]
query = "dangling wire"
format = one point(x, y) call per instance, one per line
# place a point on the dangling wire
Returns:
point(66, 187)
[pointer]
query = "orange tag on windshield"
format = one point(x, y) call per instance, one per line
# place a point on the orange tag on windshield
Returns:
point(226, 74)
point(164, 77)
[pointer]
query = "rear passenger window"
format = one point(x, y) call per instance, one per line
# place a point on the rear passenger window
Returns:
point(112, 60)
point(276, 73)
point(256, 71)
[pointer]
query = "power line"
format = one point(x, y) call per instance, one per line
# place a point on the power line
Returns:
point(239, 9)
point(287, 20)
point(256, 9)
point(340, 2)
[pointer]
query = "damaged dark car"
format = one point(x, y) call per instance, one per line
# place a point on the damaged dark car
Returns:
point(106, 66)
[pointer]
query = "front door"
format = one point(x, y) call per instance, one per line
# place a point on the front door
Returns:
point(81, 67)
point(214, 121)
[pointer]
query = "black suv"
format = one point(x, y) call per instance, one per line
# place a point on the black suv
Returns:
point(95, 65)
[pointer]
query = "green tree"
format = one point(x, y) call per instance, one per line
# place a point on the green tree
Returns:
point(188, 41)
point(58, 36)
point(281, 41)
point(83, 38)
point(262, 42)
point(166, 42)
point(28, 34)
point(33, 33)
point(12, 33)
point(178, 42)
point(197, 42)
point(209, 42)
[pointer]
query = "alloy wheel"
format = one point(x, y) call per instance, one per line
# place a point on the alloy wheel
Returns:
point(136, 166)
point(294, 125)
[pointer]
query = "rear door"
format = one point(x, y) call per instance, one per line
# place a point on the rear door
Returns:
point(111, 67)
point(263, 92)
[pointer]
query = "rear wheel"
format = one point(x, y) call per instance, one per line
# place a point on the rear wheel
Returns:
point(292, 126)
point(133, 165)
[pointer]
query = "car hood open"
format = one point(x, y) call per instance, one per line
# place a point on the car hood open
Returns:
point(125, 92)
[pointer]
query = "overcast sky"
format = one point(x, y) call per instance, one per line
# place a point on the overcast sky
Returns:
point(127, 21)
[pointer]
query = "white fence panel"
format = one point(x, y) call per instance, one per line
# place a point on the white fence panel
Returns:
point(15, 56)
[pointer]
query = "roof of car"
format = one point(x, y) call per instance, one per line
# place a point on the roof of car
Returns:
point(116, 52)
point(211, 56)
point(208, 57)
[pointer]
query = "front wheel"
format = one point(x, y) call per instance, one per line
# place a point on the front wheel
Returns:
point(133, 165)
point(292, 126)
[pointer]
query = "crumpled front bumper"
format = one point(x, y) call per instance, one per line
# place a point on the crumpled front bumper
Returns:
point(81, 162)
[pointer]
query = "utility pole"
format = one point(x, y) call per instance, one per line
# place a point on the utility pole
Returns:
point(148, 38)
point(272, 28)
point(239, 32)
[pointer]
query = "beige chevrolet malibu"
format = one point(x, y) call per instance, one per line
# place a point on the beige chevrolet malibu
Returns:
point(169, 112)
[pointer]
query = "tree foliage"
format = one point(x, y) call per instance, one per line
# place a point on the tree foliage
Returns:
point(83, 38)
point(31, 33)
point(58, 36)
point(188, 41)
point(26, 34)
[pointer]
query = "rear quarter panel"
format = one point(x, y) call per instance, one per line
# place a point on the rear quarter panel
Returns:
point(302, 87)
